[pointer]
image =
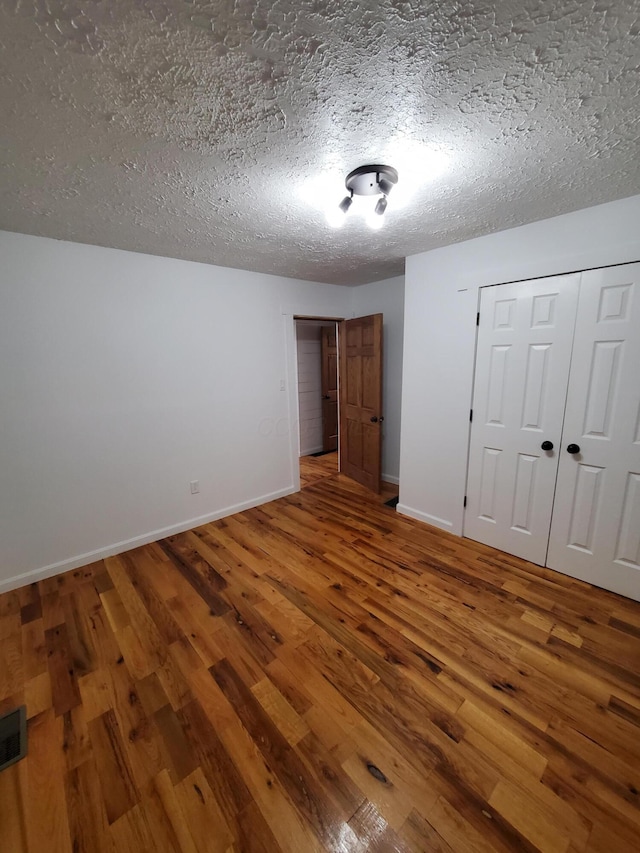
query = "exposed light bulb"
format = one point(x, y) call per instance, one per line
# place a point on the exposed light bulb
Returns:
point(335, 217)
point(375, 221)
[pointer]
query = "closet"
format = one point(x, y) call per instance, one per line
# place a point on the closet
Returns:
point(554, 461)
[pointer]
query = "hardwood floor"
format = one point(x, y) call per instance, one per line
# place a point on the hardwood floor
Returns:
point(314, 468)
point(321, 674)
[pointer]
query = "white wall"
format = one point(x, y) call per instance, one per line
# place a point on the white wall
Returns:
point(387, 298)
point(441, 300)
point(308, 339)
point(125, 376)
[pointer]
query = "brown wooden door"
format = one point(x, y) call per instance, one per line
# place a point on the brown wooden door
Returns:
point(361, 399)
point(329, 389)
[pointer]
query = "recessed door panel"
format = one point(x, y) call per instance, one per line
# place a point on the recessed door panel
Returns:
point(354, 380)
point(628, 546)
point(497, 385)
point(538, 359)
point(504, 312)
point(524, 493)
point(602, 387)
point(354, 439)
point(543, 310)
point(488, 483)
point(370, 382)
point(614, 302)
point(585, 507)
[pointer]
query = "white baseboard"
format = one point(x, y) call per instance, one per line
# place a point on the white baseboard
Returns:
point(127, 544)
point(389, 478)
point(424, 516)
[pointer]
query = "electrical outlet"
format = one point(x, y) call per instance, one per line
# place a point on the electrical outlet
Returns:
point(195, 487)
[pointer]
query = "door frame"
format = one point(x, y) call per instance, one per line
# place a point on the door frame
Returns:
point(292, 385)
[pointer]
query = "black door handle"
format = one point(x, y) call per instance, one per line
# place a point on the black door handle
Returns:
point(326, 396)
point(573, 449)
point(547, 445)
point(374, 419)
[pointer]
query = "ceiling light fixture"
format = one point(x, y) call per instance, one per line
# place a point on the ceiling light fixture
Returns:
point(372, 180)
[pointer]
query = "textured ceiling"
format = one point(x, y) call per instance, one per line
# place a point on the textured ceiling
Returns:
point(198, 129)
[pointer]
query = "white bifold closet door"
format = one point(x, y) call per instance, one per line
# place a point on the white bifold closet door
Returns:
point(595, 531)
point(522, 368)
point(539, 379)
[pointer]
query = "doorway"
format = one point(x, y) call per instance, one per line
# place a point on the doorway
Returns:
point(318, 422)
point(358, 396)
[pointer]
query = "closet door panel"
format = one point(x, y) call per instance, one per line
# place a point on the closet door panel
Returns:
point(595, 533)
point(522, 369)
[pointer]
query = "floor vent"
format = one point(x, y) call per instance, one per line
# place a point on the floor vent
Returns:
point(13, 737)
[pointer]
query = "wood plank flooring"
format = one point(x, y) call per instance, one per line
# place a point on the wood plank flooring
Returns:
point(314, 468)
point(321, 674)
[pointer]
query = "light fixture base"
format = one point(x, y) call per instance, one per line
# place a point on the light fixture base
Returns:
point(365, 180)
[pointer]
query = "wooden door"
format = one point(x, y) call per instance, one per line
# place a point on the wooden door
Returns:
point(595, 534)
point(522, 368)
point(329, 356)
point(360, 346)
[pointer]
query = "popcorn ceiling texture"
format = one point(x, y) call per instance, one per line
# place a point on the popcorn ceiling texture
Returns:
point(188, 128)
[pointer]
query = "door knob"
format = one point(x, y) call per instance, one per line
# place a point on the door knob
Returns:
point(547, 445)
point(374, 419)
point(573, 449)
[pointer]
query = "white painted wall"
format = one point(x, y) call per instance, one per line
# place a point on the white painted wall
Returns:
point(308, 340)
point(441, 300)
point(387, 298)
point(125, 376)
